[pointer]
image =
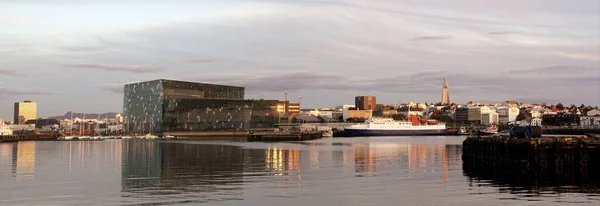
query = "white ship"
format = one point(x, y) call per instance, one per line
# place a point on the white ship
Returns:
point(390, 127)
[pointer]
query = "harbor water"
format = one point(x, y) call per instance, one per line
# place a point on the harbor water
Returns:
point(331, 171)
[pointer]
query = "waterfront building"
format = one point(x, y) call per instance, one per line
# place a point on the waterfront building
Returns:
point(24, 111)
point(324, 113)
point(357, 114)
point(489, 118)
point(21, 127)
point(445, 95)
point(461, 115)
point(5, 130)
point(561, 120)
point(176, 106)
point(348, 106)
point(590, 120)
point(39, 123)
point(536, 122)
point(286, 106)
point(365, 102)
point(593, 112)
point(412, 111)
point(507, 114)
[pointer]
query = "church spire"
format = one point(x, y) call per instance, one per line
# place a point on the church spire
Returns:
point(445, 95)
point(445, 82)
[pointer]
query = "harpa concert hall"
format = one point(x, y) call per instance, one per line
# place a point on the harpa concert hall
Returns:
point(163, 106)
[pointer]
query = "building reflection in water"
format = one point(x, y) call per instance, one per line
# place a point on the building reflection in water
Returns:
point(6, 157)
point(24, 159)
point(172, 173)
point(282, 160)
point(193, 173)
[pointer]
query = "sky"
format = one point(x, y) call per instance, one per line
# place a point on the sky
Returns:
point(76, 55)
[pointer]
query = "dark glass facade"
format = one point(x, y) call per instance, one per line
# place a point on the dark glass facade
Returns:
point(176, 106)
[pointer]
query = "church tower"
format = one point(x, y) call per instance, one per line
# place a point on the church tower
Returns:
point(445, 96)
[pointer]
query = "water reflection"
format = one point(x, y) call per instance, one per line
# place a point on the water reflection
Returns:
point(175, 172)
point(24, 159)
point(169, 173)
point(18, 158)
point(353, 171)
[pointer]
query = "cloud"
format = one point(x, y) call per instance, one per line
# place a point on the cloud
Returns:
point(202, 60)
point(428, 38)
point(502, 32)
point(116, 88)
point(470, 86)
point(81, 48)
point(10, 72)
point(123, 68)
point(559, 71)
point(4, 92)
point(12, 19)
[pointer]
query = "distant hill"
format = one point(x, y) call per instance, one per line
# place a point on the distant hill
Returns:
point(67, 115)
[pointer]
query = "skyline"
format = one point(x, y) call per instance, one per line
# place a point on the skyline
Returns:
point(71, 56)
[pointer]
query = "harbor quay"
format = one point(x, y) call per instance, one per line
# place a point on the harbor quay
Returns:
point(549, 160)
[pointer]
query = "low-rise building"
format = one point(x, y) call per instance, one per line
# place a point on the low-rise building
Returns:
point(561, 120)
point(590, 121)
point(507, 114)
point(5, 130)
point(21, 127)
point(489, 118)
point(536, 122)
point(357, 114)
point(593, 112)
point(461, 115)
point(475, 112)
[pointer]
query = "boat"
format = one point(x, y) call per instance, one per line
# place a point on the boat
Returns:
point(126, 137)
point(391, 127)
point(167, 137)
point(149, 136)
point(492, 129)
point(66, 138)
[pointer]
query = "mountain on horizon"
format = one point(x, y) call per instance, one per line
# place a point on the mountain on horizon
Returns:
point(110, 115)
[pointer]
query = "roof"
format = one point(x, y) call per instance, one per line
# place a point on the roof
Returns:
point(327, 119)
point(189, 82)
point(308, 118)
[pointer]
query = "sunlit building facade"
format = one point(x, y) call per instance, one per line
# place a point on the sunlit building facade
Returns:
point(26, 110)
point(176, 106)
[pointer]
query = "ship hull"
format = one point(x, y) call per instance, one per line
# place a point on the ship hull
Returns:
point(382, 132)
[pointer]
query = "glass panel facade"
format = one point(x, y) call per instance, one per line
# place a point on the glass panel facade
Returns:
point(175, 106)
point(143, 106)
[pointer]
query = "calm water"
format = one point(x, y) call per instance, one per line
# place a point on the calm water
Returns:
point(341, 171)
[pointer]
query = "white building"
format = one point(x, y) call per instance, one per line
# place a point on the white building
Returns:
point(489, 118)
point(21, 127)
point(348, 106)
point(591, 120)
point(536, 121)
point(322, 113)
point(5, 130)
point(506, 114)
point(593, 112)
point(537, 113)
